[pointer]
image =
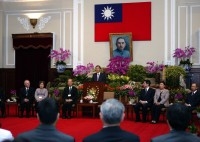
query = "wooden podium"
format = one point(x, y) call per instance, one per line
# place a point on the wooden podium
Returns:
point(99, 90)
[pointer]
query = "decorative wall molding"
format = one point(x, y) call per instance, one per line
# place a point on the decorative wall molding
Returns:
point(43, 21)
point(24, 22)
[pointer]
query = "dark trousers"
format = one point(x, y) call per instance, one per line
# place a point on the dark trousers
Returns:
point(67, 106)
point(144, 108)
point(155, 111)
point(27, 106)
point(3, 108)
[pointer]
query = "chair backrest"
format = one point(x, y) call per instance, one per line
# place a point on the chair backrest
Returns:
point(97, 86)
point(108, 95)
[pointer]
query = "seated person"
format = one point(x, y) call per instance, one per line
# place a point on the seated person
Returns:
point(145, 100)
point(193, 98)
point(26, 98)
point(46, 131)
point(112, 114)
point(178, 119)
point(40, 94)
point(161, 100)
point(2, 102)
point(69, 97)
point(98, 76)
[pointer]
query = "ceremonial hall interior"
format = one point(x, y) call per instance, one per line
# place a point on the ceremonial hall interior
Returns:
point(87, 57)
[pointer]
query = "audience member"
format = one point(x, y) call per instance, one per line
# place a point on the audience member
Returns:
point(5, 135)
point(161, 100)
point(112, 114)
point(178, 118)
point(193, 98)
point(69, 97)
point(99, 76)
point(26, 98)
point(2, 102)
point(40, 93)
point(145, 100)
point(46, 131)
point(120, 51)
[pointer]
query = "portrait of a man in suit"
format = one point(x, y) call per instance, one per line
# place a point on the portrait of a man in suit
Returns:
point(121, 45)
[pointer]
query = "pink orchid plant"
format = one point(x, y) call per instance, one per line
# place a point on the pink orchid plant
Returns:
point(118, 65)
point(153, 67)
point(61, 56)
point(184, 55)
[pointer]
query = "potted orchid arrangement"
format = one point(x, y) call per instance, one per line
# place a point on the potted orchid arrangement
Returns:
point(60, 58)
point(82, 72)
point(13, 95)
point(153, 70)
point(184, 56)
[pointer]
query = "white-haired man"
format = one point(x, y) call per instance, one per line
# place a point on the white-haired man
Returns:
point(112, 114)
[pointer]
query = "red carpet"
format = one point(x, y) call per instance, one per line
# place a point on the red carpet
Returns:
point(82, 127)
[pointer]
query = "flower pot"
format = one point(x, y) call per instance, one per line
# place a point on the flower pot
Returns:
point(60, 68)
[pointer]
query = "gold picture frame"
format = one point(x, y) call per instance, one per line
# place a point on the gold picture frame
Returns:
point(122, 48)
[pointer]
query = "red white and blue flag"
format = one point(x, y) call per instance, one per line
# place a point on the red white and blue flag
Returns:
point(123, 18)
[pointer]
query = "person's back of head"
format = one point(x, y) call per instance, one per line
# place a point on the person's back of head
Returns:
point(47, 111)
point(178, 116)
point(112, 112)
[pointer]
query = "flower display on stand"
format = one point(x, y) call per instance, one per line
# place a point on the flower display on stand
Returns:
point(60, 58)
point(153, 68)
point(177, 95)
point(56, 92)
point(184, 56)
point(13, 96)
point(118, 65)
point(92, 93)
point(82, 72)
point(178, 98)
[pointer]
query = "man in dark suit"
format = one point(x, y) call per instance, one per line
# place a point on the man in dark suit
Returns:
point(69, 97)
point(48, 116)
point(2, 102)
point(112, 114)
point(98, 76)
point(193, 98)
point(178, 119)
point(145, 101)
point(26, 97)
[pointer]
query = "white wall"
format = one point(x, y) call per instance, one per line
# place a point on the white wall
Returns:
point(143, 51)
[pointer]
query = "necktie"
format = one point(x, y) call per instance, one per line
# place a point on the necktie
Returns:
point(26, 91)
point(159, 99)
point(70, 89)
point(98, 76)
point(146, 91)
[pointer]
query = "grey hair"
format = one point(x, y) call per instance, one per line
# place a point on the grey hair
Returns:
point(112, 111)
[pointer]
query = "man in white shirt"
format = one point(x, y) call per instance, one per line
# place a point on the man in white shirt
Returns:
point(5, 135)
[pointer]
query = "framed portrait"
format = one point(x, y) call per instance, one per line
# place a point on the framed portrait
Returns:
point(121, 45)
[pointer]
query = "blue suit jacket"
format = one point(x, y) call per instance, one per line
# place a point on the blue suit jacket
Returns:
point(176, 136)
point(102, 77)
point(44, 133)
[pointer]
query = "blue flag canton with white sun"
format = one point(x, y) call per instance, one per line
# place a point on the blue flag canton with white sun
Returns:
point(105, 13)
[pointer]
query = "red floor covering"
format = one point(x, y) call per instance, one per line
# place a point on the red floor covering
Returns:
point(82, 127)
